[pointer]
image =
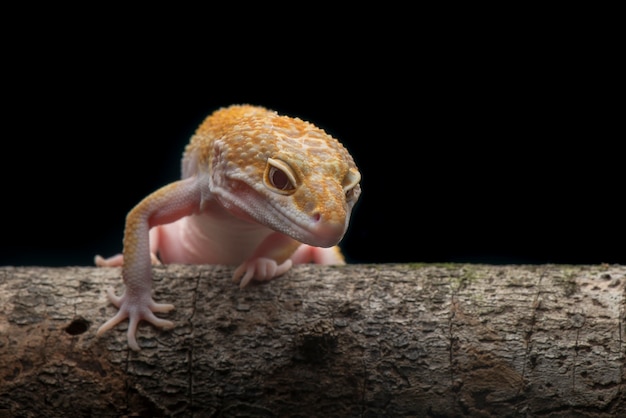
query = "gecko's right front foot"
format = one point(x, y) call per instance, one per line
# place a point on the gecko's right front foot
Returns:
point(136, 309)
point(261, 269)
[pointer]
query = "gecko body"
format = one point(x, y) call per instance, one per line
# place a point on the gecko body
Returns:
point(259, 191)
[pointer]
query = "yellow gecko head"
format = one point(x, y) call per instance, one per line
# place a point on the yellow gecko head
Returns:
point(282, 172)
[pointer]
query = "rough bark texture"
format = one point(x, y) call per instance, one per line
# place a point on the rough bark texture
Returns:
point(351, 341)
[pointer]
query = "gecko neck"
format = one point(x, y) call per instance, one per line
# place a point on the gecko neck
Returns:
point(214, 236)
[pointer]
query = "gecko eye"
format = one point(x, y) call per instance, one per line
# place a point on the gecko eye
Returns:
point(279, 176)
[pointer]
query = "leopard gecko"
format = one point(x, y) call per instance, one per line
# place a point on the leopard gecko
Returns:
point(259, 191)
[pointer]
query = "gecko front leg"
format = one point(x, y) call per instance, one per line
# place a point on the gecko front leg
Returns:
point(167, 204)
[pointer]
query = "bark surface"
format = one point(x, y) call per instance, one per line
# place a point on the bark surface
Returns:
point(420, 340)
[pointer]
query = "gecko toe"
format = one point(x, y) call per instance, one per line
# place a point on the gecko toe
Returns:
point(158, 322)
point(111, 323)
point(161, 307)
point(246, 279)
point(113, 298)
point(133, 322)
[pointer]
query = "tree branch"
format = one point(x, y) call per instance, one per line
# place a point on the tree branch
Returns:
point(356, 340)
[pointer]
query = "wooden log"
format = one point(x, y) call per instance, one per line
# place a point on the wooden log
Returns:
point(350, 341)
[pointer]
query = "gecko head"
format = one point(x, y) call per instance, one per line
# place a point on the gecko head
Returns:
point(288, 175)
point(312, 203)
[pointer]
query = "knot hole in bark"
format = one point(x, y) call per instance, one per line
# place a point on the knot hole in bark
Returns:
point(79, 325)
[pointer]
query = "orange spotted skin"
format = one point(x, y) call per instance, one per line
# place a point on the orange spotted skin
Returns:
point(259, 190)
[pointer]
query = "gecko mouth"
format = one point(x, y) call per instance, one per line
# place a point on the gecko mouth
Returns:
point(315, 232)
point(311, 229)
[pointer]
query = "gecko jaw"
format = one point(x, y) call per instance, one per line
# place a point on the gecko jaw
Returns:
point(311, 229)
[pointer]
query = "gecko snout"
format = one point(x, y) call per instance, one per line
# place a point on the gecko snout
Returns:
point(327, 231)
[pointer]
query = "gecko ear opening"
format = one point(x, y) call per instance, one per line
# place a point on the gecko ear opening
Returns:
point(351, 183)
point(279, 177)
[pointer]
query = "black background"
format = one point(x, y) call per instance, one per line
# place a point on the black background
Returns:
point(479, 140)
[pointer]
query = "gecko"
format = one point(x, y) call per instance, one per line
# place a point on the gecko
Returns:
point(259, 191)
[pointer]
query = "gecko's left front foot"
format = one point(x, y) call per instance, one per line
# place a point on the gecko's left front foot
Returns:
point(262, 269)
point(136, 309)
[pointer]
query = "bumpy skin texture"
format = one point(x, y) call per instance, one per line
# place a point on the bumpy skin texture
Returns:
point(259, 191)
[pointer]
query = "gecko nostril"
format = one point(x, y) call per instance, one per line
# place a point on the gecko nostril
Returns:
point(316, 217)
